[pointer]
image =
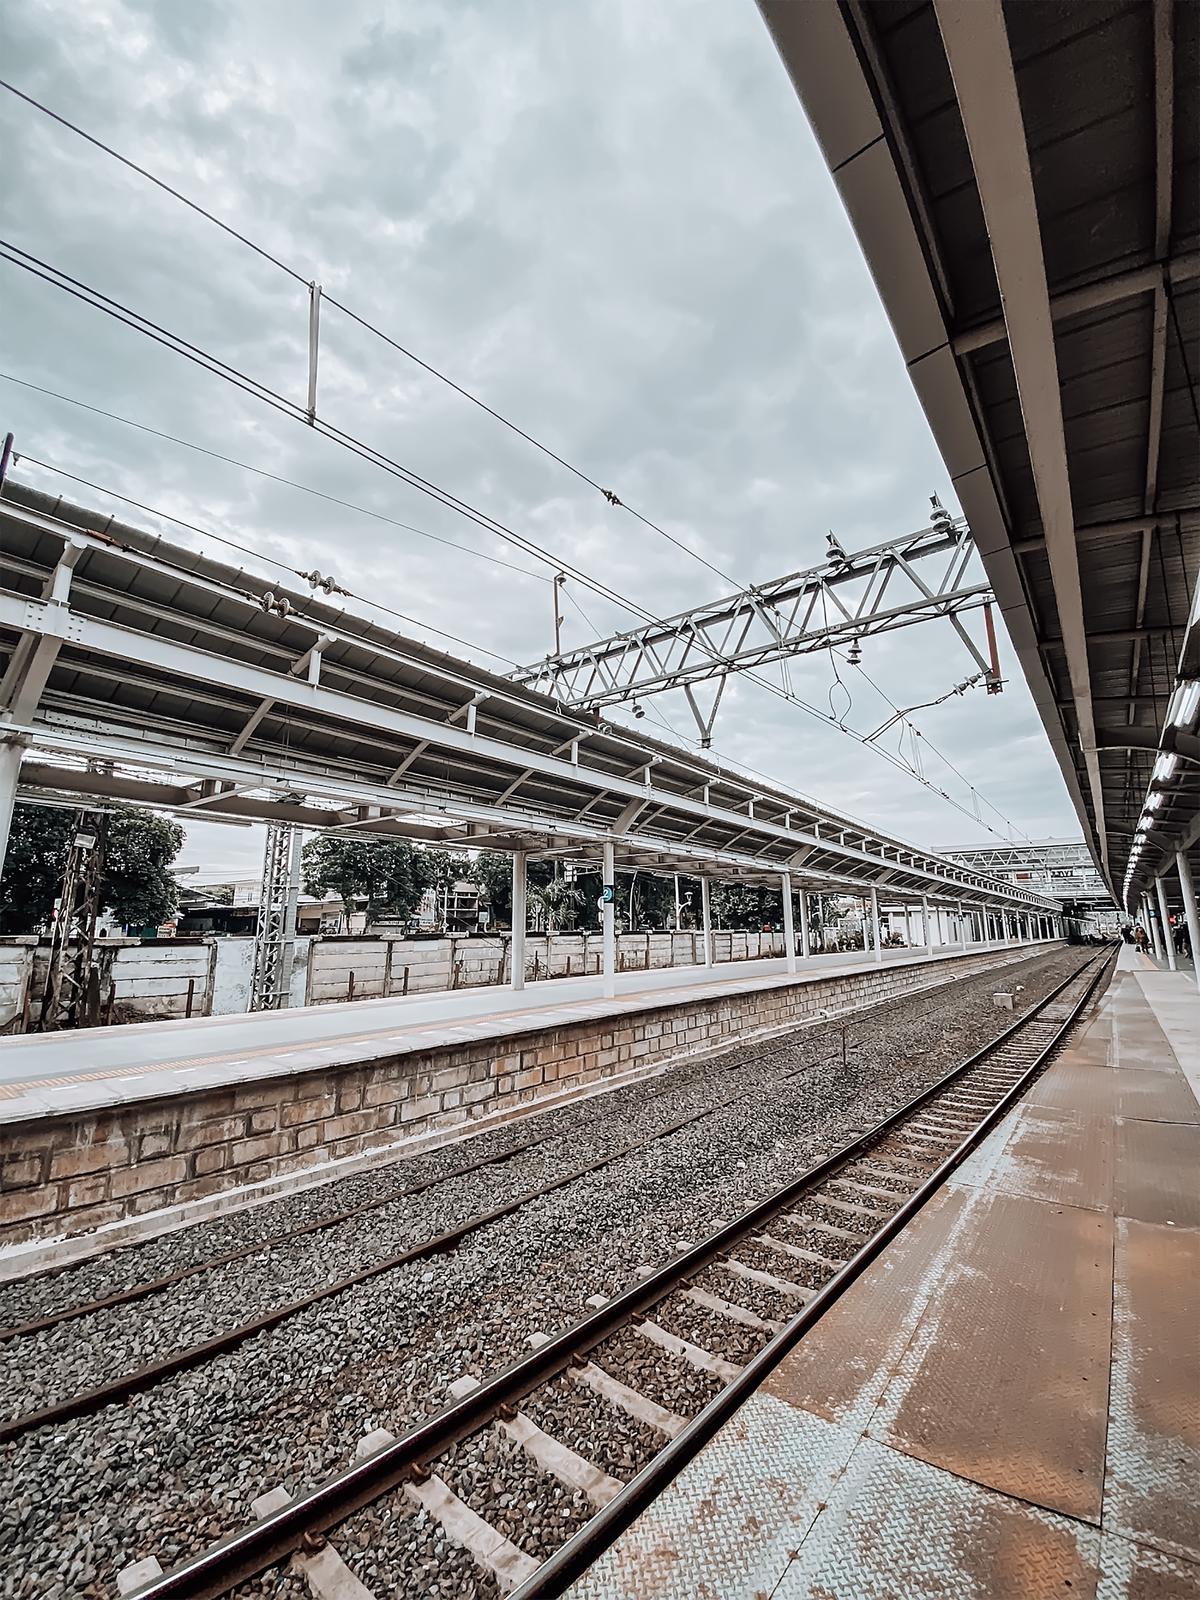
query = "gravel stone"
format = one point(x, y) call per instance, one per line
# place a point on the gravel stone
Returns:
point(176, 1466)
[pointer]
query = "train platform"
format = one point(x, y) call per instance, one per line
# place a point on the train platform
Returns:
point(60, 1073)
point(1006, 1405)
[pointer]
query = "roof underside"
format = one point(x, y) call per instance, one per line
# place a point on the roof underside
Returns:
point(1107, 115)
point(142, 671)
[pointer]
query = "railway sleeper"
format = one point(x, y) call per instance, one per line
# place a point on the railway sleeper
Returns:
point(508, 1564)
point(323, 1570)
point(631, 1401)
point(834, 1263)
point(560, 1461)
point(703, 1360)
point(768, 1280)
point(855, 1187)
point(726, 1308)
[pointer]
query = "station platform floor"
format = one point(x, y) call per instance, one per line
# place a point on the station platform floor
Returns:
point(1006, 1405)
point(58, 1073)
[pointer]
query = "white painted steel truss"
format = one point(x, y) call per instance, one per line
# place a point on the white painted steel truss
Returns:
point(144, 672)
point(1059, 867)
point(848, 597)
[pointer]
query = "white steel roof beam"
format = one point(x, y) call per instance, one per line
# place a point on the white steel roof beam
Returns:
point(976, 43)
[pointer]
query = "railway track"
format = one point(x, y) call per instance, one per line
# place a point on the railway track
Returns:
point(754, 1286)
point(92, 1399)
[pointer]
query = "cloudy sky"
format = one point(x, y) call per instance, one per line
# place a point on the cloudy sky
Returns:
point(607, 219)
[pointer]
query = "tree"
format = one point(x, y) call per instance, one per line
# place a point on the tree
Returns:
point(745, 905)
point(390, 874)
point(492, 871)
point(136, 883)
point(561, 901)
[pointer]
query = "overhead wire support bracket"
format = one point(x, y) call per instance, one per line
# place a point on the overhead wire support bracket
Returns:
point(314, 341)
point(844, 599)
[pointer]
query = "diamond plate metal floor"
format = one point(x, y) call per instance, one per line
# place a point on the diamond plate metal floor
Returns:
point(1007, 1404)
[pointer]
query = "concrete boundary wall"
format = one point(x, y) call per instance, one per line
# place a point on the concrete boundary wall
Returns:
point(157, 979)
point(84, 1182)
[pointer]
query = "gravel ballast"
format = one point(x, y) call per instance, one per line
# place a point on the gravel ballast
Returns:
point(178, 1465)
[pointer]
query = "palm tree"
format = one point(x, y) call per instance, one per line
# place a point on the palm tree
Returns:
point(560, 902)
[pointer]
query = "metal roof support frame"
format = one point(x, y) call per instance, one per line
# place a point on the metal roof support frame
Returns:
point(519, 916)
point(976, 42)
point(789, 931)
point(1187, 889)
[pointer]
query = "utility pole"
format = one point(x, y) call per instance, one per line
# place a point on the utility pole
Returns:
point(72, 994)
point(275, 933)
point(560, 578)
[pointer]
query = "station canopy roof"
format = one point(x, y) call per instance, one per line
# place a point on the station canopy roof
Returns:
point(1024, 179)
point(140, 671)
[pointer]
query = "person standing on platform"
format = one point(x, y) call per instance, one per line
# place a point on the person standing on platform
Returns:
point(1140, 938)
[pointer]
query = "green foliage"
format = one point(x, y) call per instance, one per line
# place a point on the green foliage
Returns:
point(33, 867)
point(746, 906)
point(492, 871)
point(390, 873)
point(136, 883)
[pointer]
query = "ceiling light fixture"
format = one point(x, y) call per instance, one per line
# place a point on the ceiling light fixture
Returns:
point(1184, 706)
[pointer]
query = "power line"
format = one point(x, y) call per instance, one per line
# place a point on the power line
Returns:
point(434, 372)
point(411, 355)
point(331, 300)
point(258, 555)
point(257, 390)
point(160, 183)
point(123, 314)
point(904, 719)
point(275, 477)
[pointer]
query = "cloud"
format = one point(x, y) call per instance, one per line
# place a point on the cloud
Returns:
point(609, 220)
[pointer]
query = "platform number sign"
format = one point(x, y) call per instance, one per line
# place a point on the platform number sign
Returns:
point(607, 895)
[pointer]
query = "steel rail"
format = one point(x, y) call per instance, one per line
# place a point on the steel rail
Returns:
point(115, 1390)
point(241, 1555)
point(573, 1558)
point(392, 1196)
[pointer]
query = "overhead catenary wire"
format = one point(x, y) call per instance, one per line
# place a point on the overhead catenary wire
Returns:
point(898, 760)
point(257, 554)
point(333, 301)
point(289, 408)
point(160, 183)
point(275, 477)
point(125, 315)
point(409, 354)
point(299, 277)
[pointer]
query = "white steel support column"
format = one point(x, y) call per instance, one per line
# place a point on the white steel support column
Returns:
point(875, 923)
point(925, 939)
point(608, 922)
point(11, 751)
point(1165, 923)
point(789, 932)
point(520, 864)
point(908, 927)
point(962, 927)
point(706, 921)
point(805, 936)
point(678, 907)
point(1151, 922)
point(1188, 889)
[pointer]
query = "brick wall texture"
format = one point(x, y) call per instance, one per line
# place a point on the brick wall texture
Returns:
point(65, 1176)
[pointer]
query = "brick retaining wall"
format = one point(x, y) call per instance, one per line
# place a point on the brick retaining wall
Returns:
point(164, 1161)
